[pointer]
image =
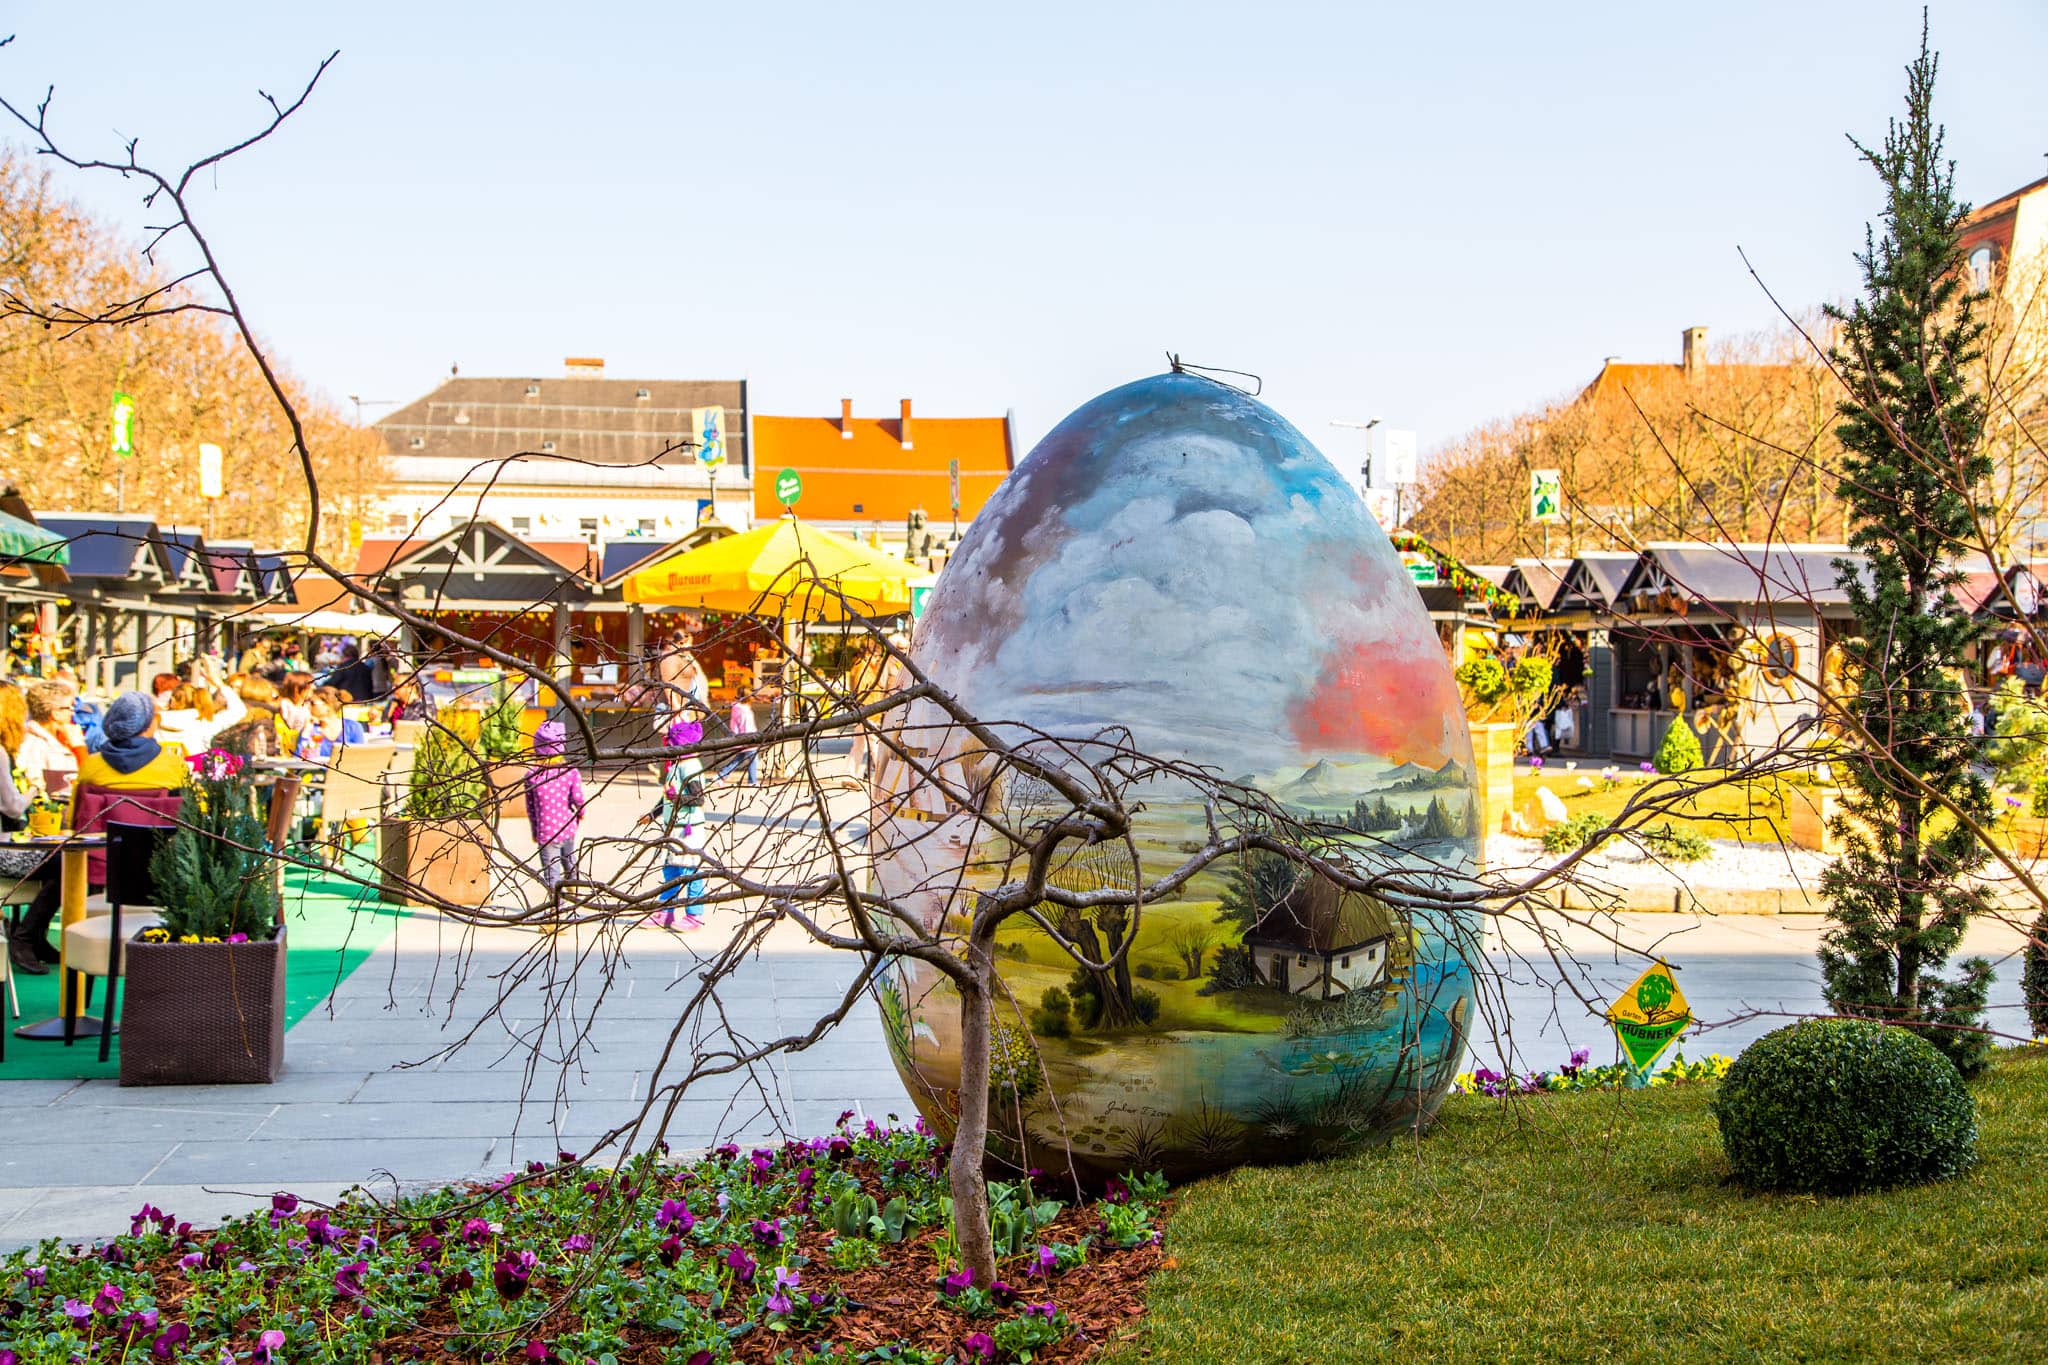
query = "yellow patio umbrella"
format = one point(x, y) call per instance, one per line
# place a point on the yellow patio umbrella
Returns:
point(782, 569)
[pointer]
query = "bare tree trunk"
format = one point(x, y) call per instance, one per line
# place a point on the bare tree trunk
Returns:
point(970, 1136)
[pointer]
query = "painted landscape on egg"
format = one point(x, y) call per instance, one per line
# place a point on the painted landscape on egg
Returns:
point(1257, 1013)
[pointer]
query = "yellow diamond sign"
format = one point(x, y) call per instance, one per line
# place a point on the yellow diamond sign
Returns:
point(1649, 1016)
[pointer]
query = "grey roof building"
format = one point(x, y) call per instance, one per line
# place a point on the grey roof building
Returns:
point(579, 456)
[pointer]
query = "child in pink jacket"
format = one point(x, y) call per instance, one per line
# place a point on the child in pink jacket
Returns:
point(554, 804)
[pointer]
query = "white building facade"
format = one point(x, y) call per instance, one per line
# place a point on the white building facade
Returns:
point(580, 457)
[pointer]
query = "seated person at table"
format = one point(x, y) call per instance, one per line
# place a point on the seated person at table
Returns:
point(293, 694)
point(255, 735)
point(327, 729)
point(129, 759)
point(85, 714)
point(199, 711)
point(44, 747)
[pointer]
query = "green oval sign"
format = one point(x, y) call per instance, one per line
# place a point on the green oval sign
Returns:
point(789, 486)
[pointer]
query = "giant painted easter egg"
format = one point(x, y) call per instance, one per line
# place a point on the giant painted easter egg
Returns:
point(1175, 571)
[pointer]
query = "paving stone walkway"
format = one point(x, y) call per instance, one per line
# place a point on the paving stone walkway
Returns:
point(372, 1092)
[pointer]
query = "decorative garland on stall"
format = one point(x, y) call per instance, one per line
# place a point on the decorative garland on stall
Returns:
point(1456, 575)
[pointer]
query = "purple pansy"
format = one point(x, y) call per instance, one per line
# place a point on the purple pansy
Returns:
point(348, 1281)
point(511, 1274)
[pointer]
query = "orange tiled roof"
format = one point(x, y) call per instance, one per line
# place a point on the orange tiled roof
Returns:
point(1615, 377)
point(871, 477)
point(2005, 203)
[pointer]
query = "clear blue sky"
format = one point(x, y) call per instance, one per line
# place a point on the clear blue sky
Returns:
point(1429, 213)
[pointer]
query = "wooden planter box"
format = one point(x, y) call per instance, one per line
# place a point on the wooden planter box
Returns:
point(1493, 755)
point(445, 858)
point(508, 790)
point(202, 1013)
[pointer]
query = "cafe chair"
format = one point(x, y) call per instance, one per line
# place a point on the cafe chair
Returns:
point(15, 895)
point(92, 946)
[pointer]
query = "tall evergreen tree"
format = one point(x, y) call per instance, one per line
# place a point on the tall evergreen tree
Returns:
point(1913, 461)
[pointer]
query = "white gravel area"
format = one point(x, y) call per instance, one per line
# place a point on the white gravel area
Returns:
point(1733, 864)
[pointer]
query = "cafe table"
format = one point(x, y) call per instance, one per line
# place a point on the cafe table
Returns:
point(71, 849)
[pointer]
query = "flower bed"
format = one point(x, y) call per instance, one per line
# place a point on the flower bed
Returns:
point(1577, 1075)
point(833, 1251)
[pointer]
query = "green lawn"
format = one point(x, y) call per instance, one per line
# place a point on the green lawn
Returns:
point(1602, 1227)
point(334, 924)
point(1752, 810)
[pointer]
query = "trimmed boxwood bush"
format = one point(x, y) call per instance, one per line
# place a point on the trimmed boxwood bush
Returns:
point(2034, 976)
point(1573, 833)
point(1680, 750)
point(1840, 1105)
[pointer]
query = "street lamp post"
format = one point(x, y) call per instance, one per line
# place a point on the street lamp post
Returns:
point(357, 493)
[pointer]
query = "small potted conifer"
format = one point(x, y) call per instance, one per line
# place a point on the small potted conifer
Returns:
point(438, 847)
point(203, 990)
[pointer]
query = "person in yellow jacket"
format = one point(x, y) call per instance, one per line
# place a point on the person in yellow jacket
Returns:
point(129, 759)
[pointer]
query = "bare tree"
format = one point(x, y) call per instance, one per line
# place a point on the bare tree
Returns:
point(966, 825)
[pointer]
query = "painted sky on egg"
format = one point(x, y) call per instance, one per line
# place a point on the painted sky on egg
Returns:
point(1178, 558)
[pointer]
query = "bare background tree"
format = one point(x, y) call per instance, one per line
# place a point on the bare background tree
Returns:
point(1745, 448)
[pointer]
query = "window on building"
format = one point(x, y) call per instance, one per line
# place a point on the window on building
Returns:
point(533, 390)
point(1344, 962)
point(397, 522)
point(547, 447)
point(647, 526)
point(588, 527)
point(1980, 267)
point(642, 394)
point(419, 443)
point(522, 525)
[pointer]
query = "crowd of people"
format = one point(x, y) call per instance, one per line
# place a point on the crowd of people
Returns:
point(56, 742)
point(276, 703)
